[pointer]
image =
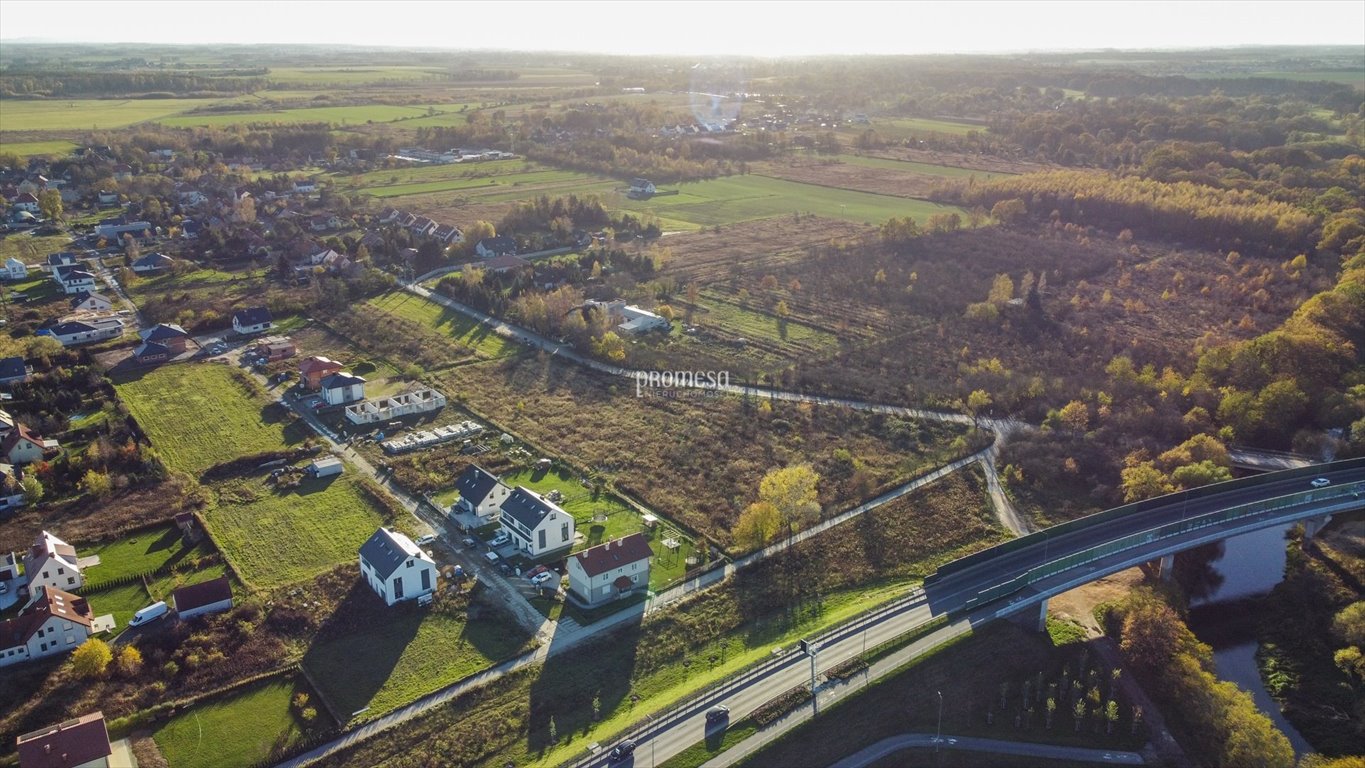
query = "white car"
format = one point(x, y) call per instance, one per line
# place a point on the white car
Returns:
point(500, 539)
point(541, 578)
point(1321, 482)
point(425, 540)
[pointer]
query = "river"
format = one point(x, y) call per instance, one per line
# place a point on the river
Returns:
point(1250, 564)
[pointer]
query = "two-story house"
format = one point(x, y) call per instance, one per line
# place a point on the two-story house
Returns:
point(481, 494)
point(52, 562)
point(53, 622)
point(538, 527)
point(611, 570)
point(252, 320)
point(341, 388)
point(395, 568)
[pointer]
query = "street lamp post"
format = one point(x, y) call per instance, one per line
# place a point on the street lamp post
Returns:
point(938, 733)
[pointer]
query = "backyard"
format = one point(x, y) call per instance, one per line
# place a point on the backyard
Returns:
point(237, 730)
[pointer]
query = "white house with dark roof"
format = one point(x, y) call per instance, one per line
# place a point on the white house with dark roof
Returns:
point(74, 279)
point(489, 247)
point(52, 562)
point(81, 742)
point(538, 527)
point(53, 622)
point(85, 301)
point(152, 262)
point(395, 568)
point(252, 320)
point(341, 388)
point(481, 494)
point(13, 370)
point(611, 570)
point(14, 270)
point(84, 331)
point(25, 201)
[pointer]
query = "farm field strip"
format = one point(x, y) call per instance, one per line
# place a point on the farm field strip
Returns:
point(461, 328)
point(31, 148)
point(350, 115)
point(900, 127)
point(87, 114)
point(797, 335)
point(927, 169)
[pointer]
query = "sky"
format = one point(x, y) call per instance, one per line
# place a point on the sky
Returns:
point(699, 27)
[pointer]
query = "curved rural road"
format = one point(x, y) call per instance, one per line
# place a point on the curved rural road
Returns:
point(894, 744)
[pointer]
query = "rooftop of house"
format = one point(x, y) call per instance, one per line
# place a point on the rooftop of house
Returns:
point(614, 554)
point(528, 508)
point(202, 594)
point(387, 550)
point(71, 742)
point(341, 379)
point(475, 484)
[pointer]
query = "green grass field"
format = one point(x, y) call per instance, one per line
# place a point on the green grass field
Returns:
point(238, 730)
point(494, 188)
point(351, 76)
point(273, 538)
point(745, 198)
point(141, 553)
point(349, 115)
point(31, 250)
point(86, 114)
point(423, 174)
point(461, 328)
point(198, 415)
point(123, 601)
point(407, 653)
point(788, 334)
point(33, 148)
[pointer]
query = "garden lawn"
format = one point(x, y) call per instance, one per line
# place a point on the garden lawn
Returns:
point(273, 538)
point(123, 601)
point(241, 729)
point(407, 653)
point(200, 414)
point(142, 552)
point(464, 330)
point(744, 198)
point(31, 148)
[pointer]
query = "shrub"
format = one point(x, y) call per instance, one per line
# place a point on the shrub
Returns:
point(92, 659)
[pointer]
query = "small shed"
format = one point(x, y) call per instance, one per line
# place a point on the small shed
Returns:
point(325, 467)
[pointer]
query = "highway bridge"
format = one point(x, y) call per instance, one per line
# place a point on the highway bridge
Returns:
point(1013, 578)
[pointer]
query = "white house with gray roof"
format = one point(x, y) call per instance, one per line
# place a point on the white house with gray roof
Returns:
point(481, 493)
point(538, 527)
point(395, 568)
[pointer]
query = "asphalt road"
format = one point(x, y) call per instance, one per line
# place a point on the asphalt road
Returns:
point(894, 744)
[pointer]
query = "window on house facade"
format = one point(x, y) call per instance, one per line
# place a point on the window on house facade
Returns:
point(564, 532)
point(426, 580)
point(542, 539)
point(398, 588)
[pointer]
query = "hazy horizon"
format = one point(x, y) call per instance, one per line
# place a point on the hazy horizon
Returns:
point(761, 29)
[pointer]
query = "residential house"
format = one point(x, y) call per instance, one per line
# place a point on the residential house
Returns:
point(489, 247)
point(406, 220)
point(395, 568)
point(314, 369)
point(105, 197)
point(252, 320)
point(116, 231)
point(481, 493)
point(505, 263)
point(390, 215)
point(423, 226)
point(213, 596)
point(537, 526)
point(190, 229)
point(448, 234)
point(422, 400)
point(7, 422)
point(60, 259)
point(13, 370)
point(75, 332)
point(611, 570)
point(86, 301)
point(74, 279)
point(341, 388)
point(81, 742)
point(52, 562)
point(640, 320)
point(26, 201)
point(172, 336)
point(152, 262)
point(275, 348)
point(53, 622)
point(305, 187)
point(11, 497)
point(150, 352)
point(23, 446)
point(319, 224)
point(14, 270)
point(642, 188)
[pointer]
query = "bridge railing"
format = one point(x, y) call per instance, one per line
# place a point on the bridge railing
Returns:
point(1169, 530)
point(1136, 508)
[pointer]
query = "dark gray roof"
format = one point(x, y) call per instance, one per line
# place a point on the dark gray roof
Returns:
point(385, 551)
point(152, 349)
point(499, 244)
point(62, 258)
point(80, 298)
point(252, 316)
point(527, 508)
point(13, 368)
point(162, 332)
point(341, 379)
point(72, 273)
point(74, 326)
point(152, 260)
point(475, 483)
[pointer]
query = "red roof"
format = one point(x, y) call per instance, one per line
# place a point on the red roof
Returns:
point(50, 602)
point(614, 554)
point(73, 742)
point(20, 432)
point(200, 595)
point(311, 364)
